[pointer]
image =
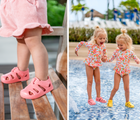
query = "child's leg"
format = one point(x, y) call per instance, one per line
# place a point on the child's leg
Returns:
point(89, 72)
point(96, 74)
point(23, 55)
point(126, 86)
point(38, 51)
point(117, 79)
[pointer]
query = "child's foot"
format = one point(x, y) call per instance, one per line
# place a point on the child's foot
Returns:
point(15, 76)
point(129, 105)
point(36, 88)
point(91, 102)
point(100, 99)
point(110, 103)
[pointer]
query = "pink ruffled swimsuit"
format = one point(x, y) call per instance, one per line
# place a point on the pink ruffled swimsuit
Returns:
point(122, 61)
point(18, 15)
point(94, 54)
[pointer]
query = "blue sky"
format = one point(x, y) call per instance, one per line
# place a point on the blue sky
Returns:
point(99, 5)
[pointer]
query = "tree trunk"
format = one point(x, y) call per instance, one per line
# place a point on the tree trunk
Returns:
point(107, 9)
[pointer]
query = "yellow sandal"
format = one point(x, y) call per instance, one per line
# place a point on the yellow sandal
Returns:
point(129, 104)
point(110, 103)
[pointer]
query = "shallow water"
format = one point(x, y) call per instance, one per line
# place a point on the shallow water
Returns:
point(100, 111)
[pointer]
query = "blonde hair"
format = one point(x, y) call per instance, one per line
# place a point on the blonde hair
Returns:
point(125, 38)
point(96, 33)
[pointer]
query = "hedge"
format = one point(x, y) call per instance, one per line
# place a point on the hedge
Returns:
point(83, 34)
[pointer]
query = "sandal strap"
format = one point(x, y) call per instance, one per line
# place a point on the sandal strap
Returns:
point(14, 71)
point(129, 104)
point(37, 84)
point(101, 99)
point(91, 101)
point(9, 75)
point(41, 82)
point(21, 73)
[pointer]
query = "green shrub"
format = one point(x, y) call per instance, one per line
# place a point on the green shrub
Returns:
point(83, 34)
point(55, 12)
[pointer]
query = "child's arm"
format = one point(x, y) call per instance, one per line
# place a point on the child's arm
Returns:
point(137, 60)
point(104, 51)
point(104, 57)
point(86, 44)
point(112, 58)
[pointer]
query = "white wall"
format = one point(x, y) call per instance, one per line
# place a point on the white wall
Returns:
point(0, 19)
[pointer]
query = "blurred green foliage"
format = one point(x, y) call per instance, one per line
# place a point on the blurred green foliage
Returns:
point(111, 15)
point(78, 7)
point(55, 12)
point(130, 4)
point(83, 34)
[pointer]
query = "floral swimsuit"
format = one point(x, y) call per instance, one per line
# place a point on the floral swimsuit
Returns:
point(122, 61)
point(94, 54)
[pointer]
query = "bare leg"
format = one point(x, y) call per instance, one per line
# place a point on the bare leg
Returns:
point(89, 72)
point(38, 52)
point(23, 55)
point(117, 79)
point(126, 86)
point(96, 74)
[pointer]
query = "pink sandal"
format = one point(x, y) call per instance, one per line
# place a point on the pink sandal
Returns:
point(100, 99)
point(36, 89)
point(91, 102)
point(15, 76)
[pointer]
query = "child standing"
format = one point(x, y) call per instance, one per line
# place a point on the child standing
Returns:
point(123, 55)
point(26, 20)
point(96, 47)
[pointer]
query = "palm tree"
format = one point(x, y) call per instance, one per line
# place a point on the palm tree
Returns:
point(107, 9)
point(113, 4)
point(130, 4)
point(72, 1)
point(80, 1)
point(77, 8)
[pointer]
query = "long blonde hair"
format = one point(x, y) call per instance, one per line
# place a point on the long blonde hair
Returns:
point(96, 33)
point(125, 38)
